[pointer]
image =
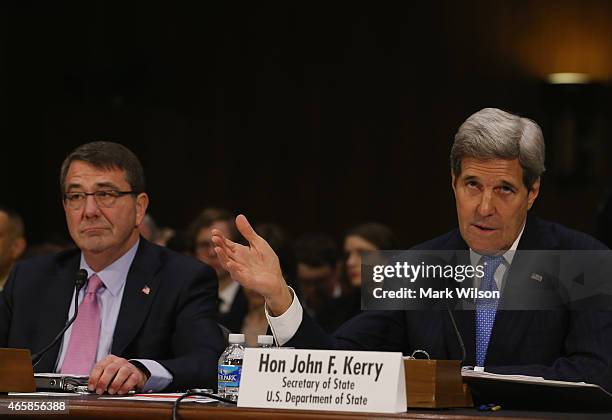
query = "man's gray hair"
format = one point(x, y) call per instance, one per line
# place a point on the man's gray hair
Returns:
point(495, 134)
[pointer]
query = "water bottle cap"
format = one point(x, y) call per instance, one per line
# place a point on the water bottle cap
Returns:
point(265, 339)
point(236, 338)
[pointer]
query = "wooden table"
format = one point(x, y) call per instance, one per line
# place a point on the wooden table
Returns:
point(93, 407)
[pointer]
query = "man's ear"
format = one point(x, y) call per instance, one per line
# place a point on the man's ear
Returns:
point(453, 179)
point(533, 193)
point(142, 202)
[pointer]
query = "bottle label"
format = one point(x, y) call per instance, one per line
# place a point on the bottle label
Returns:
point(229, 375)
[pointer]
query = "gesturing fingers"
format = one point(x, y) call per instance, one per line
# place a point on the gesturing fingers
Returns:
point(219, 239)
point(223, 258)
point(256, 267)
point(246, 230)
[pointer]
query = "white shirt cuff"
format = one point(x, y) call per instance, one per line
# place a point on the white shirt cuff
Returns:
point(286, 325)
point(160, 377)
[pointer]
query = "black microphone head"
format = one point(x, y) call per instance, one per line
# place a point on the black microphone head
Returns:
point(81, 279)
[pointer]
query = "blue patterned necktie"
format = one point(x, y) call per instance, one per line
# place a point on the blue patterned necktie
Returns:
point(486, 308)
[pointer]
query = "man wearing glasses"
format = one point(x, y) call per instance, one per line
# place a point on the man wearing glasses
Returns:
point(146, 314)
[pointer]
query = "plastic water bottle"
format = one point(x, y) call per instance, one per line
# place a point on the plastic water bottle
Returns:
point(230, 368)
point(265, 341)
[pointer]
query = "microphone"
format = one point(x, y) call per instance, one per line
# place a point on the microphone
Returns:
point(457, 333)
point(79, 282)
point(456, 329)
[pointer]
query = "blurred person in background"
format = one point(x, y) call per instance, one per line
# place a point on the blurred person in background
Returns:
point(362, 238)
point(180, 241)
point(148, 228)
point(232, 301)
point(164, 236)
point(12, 241)
point(318, 270)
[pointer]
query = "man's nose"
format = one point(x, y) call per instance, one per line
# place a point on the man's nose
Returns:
point(91, 206)
point(486, 207)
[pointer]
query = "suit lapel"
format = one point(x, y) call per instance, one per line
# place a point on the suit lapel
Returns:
point(58, 297)
point(537, 236)
point(510, 326)
point(464, 318)
point(140, 289)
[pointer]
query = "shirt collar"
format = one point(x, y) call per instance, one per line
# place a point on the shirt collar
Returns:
point(115, 275)
point(508, 255)
point(228, 294)
point(3, 282)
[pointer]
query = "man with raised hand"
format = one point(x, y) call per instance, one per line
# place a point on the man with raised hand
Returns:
point(497, 160)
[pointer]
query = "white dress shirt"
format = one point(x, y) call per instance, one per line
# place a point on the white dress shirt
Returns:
point(227, 296)
point(500, 274)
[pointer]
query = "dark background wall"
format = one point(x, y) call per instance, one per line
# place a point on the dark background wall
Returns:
point(314, 116)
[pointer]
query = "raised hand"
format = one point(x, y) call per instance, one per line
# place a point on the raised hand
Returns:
point(256, 266)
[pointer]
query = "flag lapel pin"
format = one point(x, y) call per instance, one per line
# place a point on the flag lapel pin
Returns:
point(146, 290)
point(536, 276)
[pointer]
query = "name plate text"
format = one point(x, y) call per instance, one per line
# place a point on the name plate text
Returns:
point(323, 380)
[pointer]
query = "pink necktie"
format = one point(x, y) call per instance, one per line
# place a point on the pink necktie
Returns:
point(81, 354)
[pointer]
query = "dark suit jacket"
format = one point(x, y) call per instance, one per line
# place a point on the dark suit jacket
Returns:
point(337, 311)
point(560, 344)
point(233, 319)
point(174, 324)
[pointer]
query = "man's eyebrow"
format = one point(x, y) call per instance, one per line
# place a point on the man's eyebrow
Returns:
point(469, 178)
point(98, 185)
point(71, 186)
point(107, 185)
point(508, 184)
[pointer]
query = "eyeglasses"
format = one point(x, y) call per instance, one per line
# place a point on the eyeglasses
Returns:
point(106, 198)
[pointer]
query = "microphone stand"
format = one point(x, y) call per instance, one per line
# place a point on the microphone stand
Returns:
point(81, 278)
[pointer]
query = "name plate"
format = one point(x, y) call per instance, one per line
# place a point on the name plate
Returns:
point(331, 380)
